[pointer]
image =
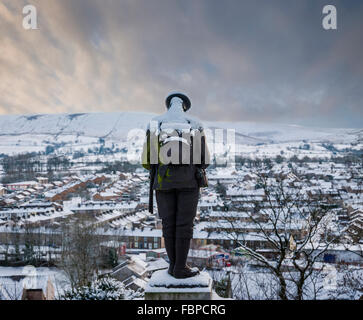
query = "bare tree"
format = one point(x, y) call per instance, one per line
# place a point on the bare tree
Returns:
point(80, 251)
point(10, 289)
point(350, 284)
point(291, 233)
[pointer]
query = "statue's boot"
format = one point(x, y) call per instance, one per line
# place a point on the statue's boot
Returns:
point(170, 250)
point(181, 269)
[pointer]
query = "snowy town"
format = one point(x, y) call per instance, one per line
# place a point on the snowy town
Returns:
point(182, 158)
point(234, 232)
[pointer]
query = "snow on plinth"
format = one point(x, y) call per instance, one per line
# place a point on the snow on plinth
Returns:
point(163, 286)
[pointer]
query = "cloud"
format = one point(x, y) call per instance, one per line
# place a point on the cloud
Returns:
point(238, 60)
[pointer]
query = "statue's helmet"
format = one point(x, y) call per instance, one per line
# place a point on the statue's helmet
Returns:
point(186, 101)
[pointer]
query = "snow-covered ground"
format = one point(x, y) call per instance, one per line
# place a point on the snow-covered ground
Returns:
point(69, 133)
point(251, 284)
point(14, 279)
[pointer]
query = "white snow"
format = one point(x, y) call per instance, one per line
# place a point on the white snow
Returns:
point(161, 281)
point(77, 132)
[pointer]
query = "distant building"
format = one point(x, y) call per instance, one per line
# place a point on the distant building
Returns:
point(42, 180)
point(143, 239)
point(207, 258)
point(355, 225)
point(106, 196)
point(21, 185)
point(132, 272)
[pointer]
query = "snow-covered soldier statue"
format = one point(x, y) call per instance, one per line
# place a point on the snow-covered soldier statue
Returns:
point(176, 154)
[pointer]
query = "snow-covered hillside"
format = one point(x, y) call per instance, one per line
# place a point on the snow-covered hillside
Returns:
point(117, 124)
point(113, 124)
point(27, 133)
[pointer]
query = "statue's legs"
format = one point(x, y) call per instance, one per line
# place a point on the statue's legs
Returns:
point(177, 209)
point(187, 201)
point(170, 250)
point(166, 201)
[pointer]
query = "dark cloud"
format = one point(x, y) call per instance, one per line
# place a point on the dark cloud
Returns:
point(238, 60)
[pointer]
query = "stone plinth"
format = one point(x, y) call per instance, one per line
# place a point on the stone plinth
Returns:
point(163, 286)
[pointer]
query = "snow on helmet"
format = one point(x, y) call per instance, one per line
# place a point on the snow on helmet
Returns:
point(186, 102)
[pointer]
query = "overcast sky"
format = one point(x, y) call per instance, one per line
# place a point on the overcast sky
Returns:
point(237, 60)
